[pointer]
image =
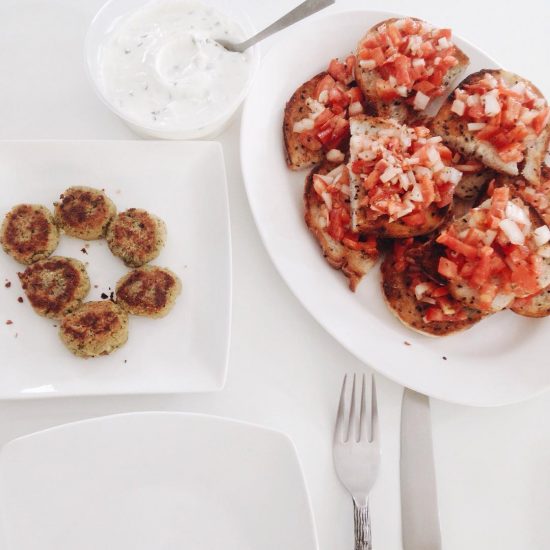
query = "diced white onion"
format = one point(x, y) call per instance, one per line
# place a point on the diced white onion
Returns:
point(433, 155)
point(416, 194)
point(303, 125)
point(438, 166)
point(527, 115)
point(475, 126)
point(404, 181)
point(542, 235)
point(402, 91)
point(518, 87)
point(418, 62)
point(491, 80)
point(323, 96)
point(443, 43)
point(489, 237)
point(420, 101)
point(516, 213)
point(420, 289)
point(540, 103)
point(315, 107)
point(389, 173)
point(392, 81)
point(345, 189)
point(367, 64)
point(547, 159)
point(450, 175)
point(355, 108)
point(327, 197)
point(491, 103)
point(512, 231)
point(422, 172)
point(544, 251)
point(472, 100)
point(458, 107)
point(335, 155)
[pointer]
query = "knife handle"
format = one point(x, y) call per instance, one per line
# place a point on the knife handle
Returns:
point(362, 528)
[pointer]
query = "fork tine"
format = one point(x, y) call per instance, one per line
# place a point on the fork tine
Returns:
point(364, 419)
point(353, 424)
point(339, 429)
point(374, 411)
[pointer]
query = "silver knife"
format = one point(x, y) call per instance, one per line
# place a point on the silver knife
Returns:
point(419, 510)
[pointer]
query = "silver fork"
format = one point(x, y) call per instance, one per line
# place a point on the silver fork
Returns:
point(356, 452)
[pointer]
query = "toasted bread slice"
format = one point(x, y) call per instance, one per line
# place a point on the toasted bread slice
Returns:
point(402, 302)
point(470, 296)
point(398, 109)
point(299, 157)
point(454, 131)
point(537, 305)
point(354, 264)
point(382, 226)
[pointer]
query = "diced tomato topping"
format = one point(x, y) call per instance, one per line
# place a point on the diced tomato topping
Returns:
point(447, 268)
point(413, 220)
point(325, 84)
point(509, 115)
point(417, 57)
point(457, 245)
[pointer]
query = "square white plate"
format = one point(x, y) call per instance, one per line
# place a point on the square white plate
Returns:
point(154, 481)
point(183, 183)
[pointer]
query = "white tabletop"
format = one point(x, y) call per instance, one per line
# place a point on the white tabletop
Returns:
point(492, 465)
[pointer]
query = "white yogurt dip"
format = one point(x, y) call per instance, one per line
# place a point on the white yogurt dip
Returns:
point(162, 68)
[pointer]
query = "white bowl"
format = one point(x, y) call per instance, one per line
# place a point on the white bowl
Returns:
point(103, 23)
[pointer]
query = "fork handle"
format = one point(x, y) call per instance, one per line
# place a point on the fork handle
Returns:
point(363, 535)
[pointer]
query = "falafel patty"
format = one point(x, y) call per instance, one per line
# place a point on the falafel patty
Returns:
point(150, 291)
point(136, 236)
point(55, 286)
point(29, 233)
point(84, 212)
point(95, 328)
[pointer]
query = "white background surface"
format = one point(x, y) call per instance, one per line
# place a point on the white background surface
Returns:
point(285, 371)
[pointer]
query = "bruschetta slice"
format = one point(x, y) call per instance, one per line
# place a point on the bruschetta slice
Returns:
point(418, 302)
point(499, 118)
point(403, 64)
point(316, 116)
point(537, 305)
point(496, 253)
point(402, 178)
point(326, 201)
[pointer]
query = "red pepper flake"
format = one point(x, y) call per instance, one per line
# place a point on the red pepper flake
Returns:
point(407, 343)
point(9, 322)
point(83, 250)
point(8, 284)
point(104, 296)
point(20, 300)
point(444, 358)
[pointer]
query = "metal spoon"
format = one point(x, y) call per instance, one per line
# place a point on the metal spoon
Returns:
point(305, 9)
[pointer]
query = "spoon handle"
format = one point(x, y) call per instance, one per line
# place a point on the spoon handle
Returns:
point(301, 11)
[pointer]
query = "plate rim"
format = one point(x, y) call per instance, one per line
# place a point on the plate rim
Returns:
point(263, 233)
point(218, 383)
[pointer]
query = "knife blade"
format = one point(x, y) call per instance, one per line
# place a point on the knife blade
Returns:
point(419, 510)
